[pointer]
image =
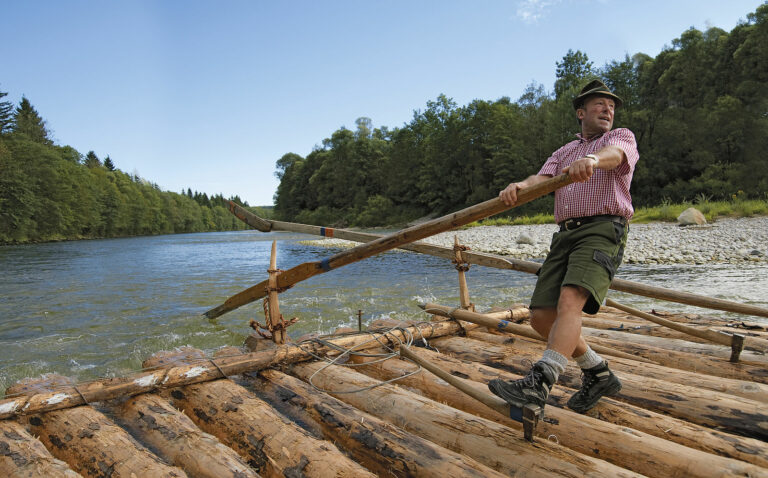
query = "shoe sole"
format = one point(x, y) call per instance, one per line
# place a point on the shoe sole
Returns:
point(611, 391)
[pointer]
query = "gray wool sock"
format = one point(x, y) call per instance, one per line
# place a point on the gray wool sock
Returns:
point(590, 359)
point(555, 361)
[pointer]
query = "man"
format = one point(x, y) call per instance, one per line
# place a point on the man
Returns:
point(593, 214)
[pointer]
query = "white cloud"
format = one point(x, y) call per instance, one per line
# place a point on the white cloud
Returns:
point(530, 11)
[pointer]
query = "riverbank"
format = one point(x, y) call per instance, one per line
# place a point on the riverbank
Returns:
point(727, 240)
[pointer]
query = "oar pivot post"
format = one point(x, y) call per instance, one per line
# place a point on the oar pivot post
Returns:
point(737, 345)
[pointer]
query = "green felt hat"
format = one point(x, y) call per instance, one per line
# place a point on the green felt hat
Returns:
point(595, 87)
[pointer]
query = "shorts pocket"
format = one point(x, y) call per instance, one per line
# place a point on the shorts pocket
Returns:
point(606, 261)
point(618, 230)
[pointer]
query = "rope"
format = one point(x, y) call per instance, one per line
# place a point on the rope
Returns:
point(387, 334)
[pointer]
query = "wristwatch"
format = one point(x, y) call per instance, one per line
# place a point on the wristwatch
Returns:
point(595, 160)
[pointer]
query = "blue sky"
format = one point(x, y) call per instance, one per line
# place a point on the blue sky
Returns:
point(208, 95)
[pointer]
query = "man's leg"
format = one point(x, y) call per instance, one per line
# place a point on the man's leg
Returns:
point(564, 336)
point(542, 320)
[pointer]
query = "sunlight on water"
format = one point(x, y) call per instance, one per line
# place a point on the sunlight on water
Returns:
point(98, 308)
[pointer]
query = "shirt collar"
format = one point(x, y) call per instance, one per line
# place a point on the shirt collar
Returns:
point(583, 140)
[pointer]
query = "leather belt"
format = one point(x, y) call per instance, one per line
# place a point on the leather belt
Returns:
point(575, 222)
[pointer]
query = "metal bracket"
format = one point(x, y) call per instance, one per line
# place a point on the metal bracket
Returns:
point(737, 345)
point(529, 414)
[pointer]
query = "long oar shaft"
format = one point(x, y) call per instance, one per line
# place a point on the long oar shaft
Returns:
point(754, 343)
point(490, 260)
point(391, 241)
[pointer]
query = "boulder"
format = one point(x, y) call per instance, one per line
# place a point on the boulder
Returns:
point(525, 238)
point(691, 217)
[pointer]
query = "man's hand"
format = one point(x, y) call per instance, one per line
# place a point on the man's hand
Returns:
point(509, 194)
point(582, 169)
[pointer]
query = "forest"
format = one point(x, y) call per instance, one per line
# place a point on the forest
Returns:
point(699, 111)
point(50, 192)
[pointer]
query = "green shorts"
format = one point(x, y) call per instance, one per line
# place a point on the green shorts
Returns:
point(587, 256)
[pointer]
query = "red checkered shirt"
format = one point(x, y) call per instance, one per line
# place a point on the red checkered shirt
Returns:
point(606, 192)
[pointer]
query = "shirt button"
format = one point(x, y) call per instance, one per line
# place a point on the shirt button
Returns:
point(566, 207)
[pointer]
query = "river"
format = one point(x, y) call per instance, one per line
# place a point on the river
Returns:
point(90, 309)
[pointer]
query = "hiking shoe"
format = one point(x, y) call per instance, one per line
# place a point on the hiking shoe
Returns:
point(533, 388)
point(596, 382)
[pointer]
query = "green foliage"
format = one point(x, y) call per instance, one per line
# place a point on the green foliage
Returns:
point(697, 111)
point(47, 194)
point(738, 206)
point(27, 122)
point(6, 113)
point(572, 71)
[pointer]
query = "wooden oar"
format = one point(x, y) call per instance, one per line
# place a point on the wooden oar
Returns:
point(502, 325)
point(392, 241)
point(722, 338)
point(498, 262)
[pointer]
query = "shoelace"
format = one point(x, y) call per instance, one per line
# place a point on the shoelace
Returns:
point(530, 379)
point(587, 380)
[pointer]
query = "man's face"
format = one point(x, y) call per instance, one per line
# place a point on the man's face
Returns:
point(596, 115)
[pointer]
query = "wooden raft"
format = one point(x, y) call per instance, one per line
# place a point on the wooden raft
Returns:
point(280, 412)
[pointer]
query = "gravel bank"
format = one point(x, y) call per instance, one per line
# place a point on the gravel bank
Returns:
point(743, 240)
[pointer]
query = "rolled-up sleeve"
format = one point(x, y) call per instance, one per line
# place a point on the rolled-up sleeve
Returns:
point(552, 166)
point(624, 139)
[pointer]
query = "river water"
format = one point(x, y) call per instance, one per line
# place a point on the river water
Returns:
point(90, 309)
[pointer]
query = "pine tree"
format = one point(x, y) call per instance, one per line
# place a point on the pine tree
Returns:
point(6, 113)
point(109, 164)
point(28, 122)
point(91, 160)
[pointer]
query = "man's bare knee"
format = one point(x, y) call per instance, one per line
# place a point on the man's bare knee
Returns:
point(572, 297)
point(542, 320)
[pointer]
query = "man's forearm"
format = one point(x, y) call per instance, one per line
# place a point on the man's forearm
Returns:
point(532, 180)
point(610, 157)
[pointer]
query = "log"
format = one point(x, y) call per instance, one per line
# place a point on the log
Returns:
point(379, 446)
point(710, 350)
point(68, 396)
point(23, 456)
point(94, 446)
point(498, 321)
point(631, 449)
point(741, 388)
point(179, 441)
point(270, 443)
point(752, 343)
point(704, 364)
point(499, 262)
point(391, 241)
point(488, 442)
point(705, 407)
point(621, 414)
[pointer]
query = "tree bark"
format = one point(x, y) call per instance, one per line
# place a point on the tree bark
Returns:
point(379, 446)
point(271, 444)
point(622, 446)
point(24, 456)
point(484, 440)
point(94, 446)
point(740, 388)
point(679, 431)
point(705, 407)
point(200, 371)
point(179, 441)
